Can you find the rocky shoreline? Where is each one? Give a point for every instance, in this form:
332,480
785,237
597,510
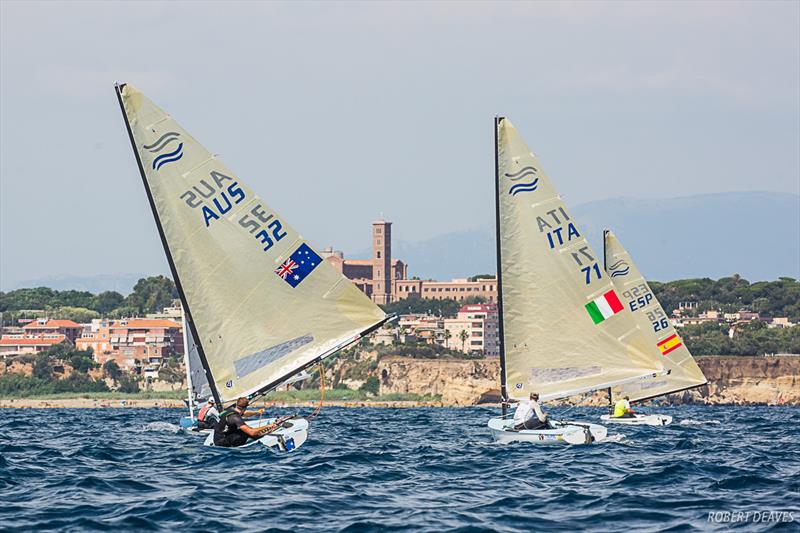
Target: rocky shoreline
733,380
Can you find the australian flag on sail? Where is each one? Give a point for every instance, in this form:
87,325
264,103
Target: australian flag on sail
299,265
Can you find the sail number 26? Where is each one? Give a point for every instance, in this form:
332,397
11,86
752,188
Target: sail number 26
640,297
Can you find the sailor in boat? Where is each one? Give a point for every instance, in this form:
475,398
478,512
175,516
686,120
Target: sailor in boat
231,430
529,414
623,409
208,415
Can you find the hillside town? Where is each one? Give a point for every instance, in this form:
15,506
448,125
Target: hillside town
142,344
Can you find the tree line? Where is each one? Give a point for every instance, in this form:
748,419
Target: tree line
45,379
780,298
149,295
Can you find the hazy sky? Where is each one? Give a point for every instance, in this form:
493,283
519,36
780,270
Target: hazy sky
337,112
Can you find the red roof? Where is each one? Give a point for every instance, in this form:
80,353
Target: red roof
32,341
52,324
144,323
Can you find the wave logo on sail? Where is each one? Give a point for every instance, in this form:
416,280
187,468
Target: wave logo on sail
527,186
163,143
620,268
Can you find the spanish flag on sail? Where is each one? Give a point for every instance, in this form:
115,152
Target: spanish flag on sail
673,342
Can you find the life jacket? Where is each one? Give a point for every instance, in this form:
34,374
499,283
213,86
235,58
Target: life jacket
621,407
201,416
222,425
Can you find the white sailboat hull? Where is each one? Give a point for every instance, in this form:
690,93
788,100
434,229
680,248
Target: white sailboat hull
189,425
638,420
563,433
290,436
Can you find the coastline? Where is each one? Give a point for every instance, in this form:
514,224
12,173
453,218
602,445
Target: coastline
408,382
142,403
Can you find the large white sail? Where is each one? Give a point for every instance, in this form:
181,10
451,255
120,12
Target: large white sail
261,302
563,328
667,346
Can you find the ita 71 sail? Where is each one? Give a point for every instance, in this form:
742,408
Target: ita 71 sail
563,328
261,304
668,348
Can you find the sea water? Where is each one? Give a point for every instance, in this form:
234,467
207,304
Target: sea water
423,469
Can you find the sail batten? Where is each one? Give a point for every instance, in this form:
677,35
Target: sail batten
599,386
260,302
562,321
652,320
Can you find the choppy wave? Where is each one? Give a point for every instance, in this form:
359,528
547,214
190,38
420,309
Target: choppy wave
375,469
690,422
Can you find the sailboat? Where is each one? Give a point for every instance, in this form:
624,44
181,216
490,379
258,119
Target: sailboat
196,384
198,389
562,328
667,347
261,305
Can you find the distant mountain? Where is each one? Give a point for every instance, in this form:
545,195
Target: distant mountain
754,234
122,283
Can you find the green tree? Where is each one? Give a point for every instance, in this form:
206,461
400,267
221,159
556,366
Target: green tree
81,360
463,335
112,370
171,373
76,314
128,384
372,385
107,301
152,294
43,366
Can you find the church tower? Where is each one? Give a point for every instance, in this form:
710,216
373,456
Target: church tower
382,262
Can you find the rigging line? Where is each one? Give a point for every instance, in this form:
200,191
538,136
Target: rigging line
576,404
316,411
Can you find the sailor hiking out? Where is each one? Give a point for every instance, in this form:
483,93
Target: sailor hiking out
529,415
231,430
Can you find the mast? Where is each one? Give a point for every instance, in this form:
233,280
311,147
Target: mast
173,269
605,232
186,348
501,339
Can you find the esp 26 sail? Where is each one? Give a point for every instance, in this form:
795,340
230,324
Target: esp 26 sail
667,346
563,328
260,302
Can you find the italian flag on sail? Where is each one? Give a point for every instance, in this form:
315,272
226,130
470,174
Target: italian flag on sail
603,307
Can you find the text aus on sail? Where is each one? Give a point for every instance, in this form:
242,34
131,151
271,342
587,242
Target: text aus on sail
216,196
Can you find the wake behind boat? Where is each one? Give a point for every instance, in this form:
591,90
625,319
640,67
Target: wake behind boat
260,304
638,420
562,328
